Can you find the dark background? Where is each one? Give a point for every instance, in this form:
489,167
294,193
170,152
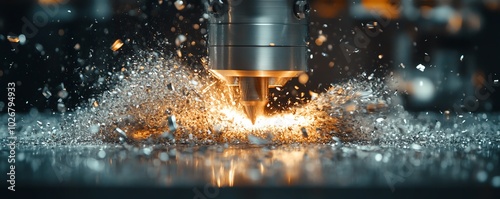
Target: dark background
71,51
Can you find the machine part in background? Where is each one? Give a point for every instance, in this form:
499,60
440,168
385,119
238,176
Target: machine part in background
257,45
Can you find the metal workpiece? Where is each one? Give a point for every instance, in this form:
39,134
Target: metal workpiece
256,45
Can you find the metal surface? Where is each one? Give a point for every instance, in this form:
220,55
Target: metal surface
319,170
264,58
255,96
256,45
261,34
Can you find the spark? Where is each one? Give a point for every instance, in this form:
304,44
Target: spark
117,45
275,122
204,109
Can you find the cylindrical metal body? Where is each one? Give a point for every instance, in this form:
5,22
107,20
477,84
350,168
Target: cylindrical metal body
257,44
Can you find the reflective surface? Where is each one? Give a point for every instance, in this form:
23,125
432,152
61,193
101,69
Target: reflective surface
227,166
423,153
390,162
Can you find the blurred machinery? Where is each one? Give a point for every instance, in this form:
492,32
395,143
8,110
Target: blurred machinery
438,51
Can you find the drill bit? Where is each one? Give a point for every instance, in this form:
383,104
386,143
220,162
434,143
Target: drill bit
253,93
257,45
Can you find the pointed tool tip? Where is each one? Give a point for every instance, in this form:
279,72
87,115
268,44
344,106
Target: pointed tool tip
253,119
252,112
252,115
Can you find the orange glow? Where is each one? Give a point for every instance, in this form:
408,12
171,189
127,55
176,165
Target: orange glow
382,7
454,23
279,121
48,2
328,8
229,122
237,172
141,134
210,115
425,10
320,40
117,45
492,5
478,79
13,39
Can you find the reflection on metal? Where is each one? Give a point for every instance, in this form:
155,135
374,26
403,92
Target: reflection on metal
239,169
286,165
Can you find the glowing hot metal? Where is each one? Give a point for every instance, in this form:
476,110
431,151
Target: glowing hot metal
257,45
